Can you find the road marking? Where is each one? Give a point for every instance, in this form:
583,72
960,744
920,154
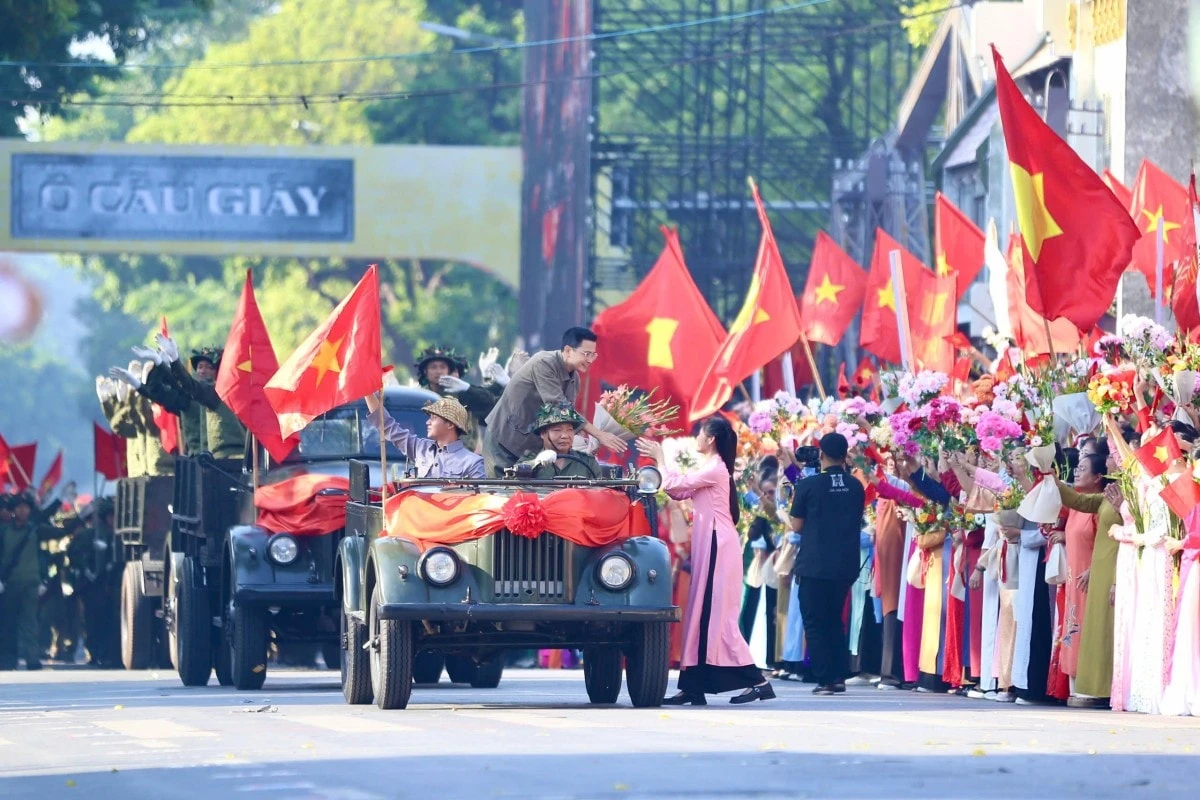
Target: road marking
154,729
536,720
355,724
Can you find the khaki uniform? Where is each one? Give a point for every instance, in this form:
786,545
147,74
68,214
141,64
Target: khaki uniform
543,380
226,437
575,464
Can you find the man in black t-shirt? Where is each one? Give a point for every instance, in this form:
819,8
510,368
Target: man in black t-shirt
827,510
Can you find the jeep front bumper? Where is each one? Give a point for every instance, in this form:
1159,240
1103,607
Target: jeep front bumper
512,612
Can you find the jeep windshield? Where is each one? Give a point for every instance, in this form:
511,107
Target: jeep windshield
346,432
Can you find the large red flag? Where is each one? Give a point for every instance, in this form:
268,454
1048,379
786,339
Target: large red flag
108,451
1028,326
52,477
833,293
339,362
247,363
767,326
166,422
880,334
1120,191
957,244
21,458
1157,196
1076,236
933,316
662,336
1184,299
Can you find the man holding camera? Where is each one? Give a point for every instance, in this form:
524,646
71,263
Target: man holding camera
827,510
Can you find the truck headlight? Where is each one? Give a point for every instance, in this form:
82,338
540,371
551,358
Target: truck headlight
282,549
439,566
615,571
649,480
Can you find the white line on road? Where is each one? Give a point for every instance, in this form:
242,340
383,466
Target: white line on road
154,729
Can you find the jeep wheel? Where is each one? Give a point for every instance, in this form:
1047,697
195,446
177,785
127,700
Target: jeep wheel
391,658
602,674
427,669
488,674
137,619
247,647
460,669
222,657
193,624
331,653
354,662
648,664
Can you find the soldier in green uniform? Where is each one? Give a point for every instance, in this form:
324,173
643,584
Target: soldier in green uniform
557,424
97,580
440,369
226,436
58,606
20,586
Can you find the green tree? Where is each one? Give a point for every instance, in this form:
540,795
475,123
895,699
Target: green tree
924,16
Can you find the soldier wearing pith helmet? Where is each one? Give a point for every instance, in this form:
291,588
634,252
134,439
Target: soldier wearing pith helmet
557,424
441,370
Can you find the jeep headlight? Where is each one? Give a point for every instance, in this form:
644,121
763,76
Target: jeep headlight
439,566
615,571
282,549
649,480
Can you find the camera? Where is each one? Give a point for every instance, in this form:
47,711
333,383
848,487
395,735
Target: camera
809,456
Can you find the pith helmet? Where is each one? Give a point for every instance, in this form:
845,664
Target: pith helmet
555,413
452,411
439,353
212,354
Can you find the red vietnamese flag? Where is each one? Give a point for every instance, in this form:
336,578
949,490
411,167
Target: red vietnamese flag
4,453
957,244
1182,495
864,374
108,451
932,317
52,477
166,422
1028,326
772,378
1120,191
767,326
339,362
833,293
880,334
662,336
1156,195
247,363
843,384
1159,453
21,458
1184,300
1076,236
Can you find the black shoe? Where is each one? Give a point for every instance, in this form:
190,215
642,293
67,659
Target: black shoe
685,699
33,666
839,688
825,691
764,691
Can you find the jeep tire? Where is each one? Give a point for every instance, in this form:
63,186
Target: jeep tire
427,669
247,645
137,619
602,674
488,674
460,669
391,658
193,624
355,662
648,663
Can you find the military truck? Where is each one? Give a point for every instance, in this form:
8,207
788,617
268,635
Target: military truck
234,588
406,604
143,525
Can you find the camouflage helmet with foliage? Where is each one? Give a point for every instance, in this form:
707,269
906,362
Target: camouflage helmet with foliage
439,353
212,354
555,414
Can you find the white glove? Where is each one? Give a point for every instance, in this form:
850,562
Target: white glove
487,359
516,361
68,590
148,353
545,457
103,390
452,384
585,443
100,545
168,348
1,587
498,374
127,379
41,589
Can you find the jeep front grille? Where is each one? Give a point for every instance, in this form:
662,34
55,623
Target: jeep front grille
529,570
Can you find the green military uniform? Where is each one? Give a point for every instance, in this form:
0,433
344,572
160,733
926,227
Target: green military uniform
226,436
126,422
478,400
95,575
21,575
59,607
573,464
161,387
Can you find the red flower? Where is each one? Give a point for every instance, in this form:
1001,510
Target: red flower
523,515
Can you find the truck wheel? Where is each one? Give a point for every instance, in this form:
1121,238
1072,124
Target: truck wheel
488,674
193,638
460,669
247,645
648,664
222,656
391,659
602,674
427,668
137,619
355,662
331,652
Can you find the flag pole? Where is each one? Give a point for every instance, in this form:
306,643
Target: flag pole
383,465
253,461
899,297
1158,271
812,364
13,462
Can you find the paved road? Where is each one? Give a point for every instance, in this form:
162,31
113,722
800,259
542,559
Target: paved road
99,735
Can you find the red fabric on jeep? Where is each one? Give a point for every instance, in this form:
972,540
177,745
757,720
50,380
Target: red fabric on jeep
295,505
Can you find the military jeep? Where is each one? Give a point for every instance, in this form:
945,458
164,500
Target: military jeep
143,524
408,605
233,588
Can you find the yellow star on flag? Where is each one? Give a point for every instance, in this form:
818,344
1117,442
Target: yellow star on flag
662,331
247,365
887,297
1034,218
1152,223
943,266
327,359
828,291
1161,454
750,314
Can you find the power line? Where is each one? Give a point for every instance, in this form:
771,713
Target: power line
591,37
328,98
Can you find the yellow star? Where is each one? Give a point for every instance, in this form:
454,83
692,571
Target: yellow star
1034,218
828,291
750,314
1152,223
887,298
933,309
943,266
327,359
1161,454
661,331
247,365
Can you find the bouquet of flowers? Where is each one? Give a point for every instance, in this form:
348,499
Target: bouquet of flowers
681,451
998,435
1179,374
629,413
1112,392
783,417
1110,348
1146,341
917,390
1007,503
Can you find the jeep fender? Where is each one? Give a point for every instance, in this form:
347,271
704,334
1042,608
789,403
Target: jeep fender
248,556
349,571
647,554
390,553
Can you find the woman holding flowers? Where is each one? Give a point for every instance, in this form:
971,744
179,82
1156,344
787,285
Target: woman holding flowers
716,657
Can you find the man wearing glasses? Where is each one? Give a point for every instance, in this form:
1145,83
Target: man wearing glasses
549,377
